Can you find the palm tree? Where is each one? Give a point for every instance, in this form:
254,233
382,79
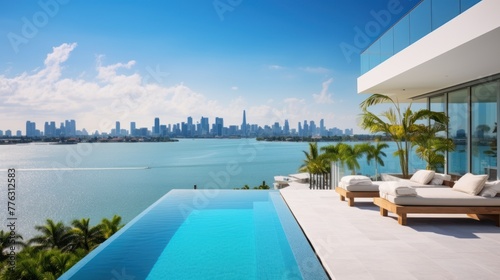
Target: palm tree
315,163
430,146
7,241
374,152
84,236
53,235
400,124
350,155
110,227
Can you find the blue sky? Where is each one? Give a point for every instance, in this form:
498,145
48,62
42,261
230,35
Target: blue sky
104,61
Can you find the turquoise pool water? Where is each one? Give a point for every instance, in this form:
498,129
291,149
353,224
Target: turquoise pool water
206,234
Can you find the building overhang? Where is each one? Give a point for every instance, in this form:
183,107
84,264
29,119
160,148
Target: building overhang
464,49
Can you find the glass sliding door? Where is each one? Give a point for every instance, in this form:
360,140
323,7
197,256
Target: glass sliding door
437,104
458,111
484,129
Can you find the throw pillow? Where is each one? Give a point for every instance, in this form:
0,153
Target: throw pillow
422,176
470,183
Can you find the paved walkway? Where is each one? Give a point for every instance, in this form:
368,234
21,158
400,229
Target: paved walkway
357,243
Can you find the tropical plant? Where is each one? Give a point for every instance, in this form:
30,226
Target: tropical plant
401,125
431,147
53,236
41,264
314,162
110,227
375,153
85,236
7,241
350,154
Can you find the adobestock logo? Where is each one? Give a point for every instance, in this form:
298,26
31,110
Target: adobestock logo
223,6
31,26
372,29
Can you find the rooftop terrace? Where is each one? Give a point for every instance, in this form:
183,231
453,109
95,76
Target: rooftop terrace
357,243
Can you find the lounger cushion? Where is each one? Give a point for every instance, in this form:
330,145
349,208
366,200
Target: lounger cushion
397,188
422,176
373,187
439,178
356,180
442,197
490,189
470,183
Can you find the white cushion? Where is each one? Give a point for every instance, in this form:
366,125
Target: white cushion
470,183
356,180
422,176
490,189
439,178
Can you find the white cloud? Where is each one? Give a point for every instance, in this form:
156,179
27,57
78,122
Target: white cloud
117,92
96,103
324,97
316,70
234,88
276,67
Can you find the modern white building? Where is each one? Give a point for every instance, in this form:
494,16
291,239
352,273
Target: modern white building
447,54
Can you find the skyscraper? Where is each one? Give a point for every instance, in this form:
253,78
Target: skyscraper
286,128
132,128
156,130
219,124
30,128
117,128
244,125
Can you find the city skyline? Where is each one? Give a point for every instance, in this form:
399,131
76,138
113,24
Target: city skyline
178,58
184,129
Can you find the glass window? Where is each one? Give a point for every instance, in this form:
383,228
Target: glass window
374,54
443,11
458,112
387,45
402,34
484,133
420,21
466,4
437,104
365,62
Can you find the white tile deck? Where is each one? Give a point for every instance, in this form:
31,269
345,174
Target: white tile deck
357,243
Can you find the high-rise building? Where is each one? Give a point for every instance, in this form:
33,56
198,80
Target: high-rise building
132,129
117,128
286,128
305,129
30,129
219,125
8,133
205,127
156,130
244,125
322,127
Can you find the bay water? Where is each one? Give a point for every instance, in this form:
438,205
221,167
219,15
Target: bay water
99,180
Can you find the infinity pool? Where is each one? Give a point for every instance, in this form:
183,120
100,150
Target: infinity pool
206,234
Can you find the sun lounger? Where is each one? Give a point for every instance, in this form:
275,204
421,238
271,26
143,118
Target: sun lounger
444,201
357,186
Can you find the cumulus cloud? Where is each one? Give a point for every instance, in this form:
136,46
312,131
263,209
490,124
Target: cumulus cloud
114,95
316,70
324,97
117,92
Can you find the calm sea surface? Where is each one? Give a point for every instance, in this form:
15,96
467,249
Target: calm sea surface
66,182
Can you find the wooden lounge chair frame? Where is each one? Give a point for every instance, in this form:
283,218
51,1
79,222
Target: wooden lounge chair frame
475,212
351,195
